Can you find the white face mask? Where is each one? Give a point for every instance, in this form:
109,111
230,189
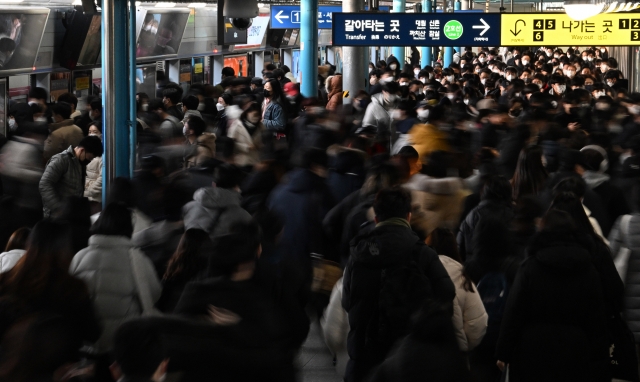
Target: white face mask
610,83
370,70
185,132
525,62
219,106
451,96
43,119
570,73
483,81
466,101
450,78
549,54
145,107
423,80
404,83
430,76
604,68
556,56
562,89
482,60
423,114
386,80
538,85
393,66
590,58
599,94
509,77
416,71
254,119
602,50
395,114
12,124
491,67
634,109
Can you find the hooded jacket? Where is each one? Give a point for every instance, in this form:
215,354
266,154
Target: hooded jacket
335,93
214,210
378,113
63,177
105,266
62,135
302,203
498,210
384,247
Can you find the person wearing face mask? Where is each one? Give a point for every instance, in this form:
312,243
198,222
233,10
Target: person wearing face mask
375,86
404,117
246,133
631,126
93,179
199,146
64,172
222,119
570,71
558,86
612,79
274,116
393,64
378,112
64,132
190,108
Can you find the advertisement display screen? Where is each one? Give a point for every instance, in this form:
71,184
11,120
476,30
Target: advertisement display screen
20,36
161,33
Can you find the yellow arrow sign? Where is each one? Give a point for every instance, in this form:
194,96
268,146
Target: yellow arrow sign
557,29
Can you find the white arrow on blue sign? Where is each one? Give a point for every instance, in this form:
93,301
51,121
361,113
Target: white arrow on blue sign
288,16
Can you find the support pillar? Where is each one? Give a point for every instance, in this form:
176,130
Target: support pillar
133,106
354,59
308,47
425,55
447,57
399,51
114,85
456,7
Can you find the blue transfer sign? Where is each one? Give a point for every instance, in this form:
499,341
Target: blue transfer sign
419,29
288,16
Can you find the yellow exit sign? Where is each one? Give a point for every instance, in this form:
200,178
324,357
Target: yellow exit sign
558,29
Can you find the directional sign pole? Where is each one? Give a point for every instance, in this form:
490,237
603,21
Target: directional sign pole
309,47
399,51
425,58
458,6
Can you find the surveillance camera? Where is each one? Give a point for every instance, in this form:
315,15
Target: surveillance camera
242,23
241,9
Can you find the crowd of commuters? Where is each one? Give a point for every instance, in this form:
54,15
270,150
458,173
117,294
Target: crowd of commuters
470,223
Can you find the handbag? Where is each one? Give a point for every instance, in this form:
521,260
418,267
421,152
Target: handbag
144,292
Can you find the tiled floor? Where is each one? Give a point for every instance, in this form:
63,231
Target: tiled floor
315,359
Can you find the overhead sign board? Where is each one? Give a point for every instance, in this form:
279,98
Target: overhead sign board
558,29
289,17
419,29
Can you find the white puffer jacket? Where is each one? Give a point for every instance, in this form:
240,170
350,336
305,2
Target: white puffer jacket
9,259
469,316
105,266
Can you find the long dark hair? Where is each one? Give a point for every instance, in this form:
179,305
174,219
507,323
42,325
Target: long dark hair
444,243
530,175
571,204
277,95
185,262
18,239
48,251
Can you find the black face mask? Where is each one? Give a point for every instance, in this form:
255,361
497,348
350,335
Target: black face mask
267,93
85,162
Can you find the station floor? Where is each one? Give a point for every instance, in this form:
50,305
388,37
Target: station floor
315,360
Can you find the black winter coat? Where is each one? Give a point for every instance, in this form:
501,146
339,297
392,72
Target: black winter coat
384,247
554,325
499,210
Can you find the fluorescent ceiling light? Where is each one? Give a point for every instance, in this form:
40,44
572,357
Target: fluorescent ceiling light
10,1
165,5
582,11
197,5
77,2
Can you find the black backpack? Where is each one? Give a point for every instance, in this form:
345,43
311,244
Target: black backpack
404,289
